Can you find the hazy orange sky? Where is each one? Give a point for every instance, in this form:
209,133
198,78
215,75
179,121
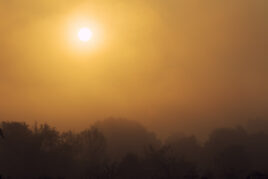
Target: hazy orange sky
170,64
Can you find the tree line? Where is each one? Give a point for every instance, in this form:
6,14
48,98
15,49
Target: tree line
124,149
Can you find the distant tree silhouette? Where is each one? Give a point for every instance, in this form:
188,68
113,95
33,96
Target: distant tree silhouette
131,167
123,149
125,136
187,148
91,152
2,133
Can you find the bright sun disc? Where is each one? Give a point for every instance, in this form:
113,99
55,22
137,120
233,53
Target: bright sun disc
84,34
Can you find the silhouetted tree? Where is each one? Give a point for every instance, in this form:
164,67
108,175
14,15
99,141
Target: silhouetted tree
125,136
116,148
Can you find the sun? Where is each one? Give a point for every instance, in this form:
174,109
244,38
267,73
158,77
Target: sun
84,34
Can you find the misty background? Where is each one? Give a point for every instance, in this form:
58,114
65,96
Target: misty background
173,65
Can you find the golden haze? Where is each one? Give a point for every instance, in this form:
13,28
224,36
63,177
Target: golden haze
169,64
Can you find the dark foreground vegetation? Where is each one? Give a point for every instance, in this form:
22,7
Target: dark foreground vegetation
124,149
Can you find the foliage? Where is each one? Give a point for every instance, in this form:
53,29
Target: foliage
43,151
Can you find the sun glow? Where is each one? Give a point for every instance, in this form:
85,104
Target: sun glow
85,34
